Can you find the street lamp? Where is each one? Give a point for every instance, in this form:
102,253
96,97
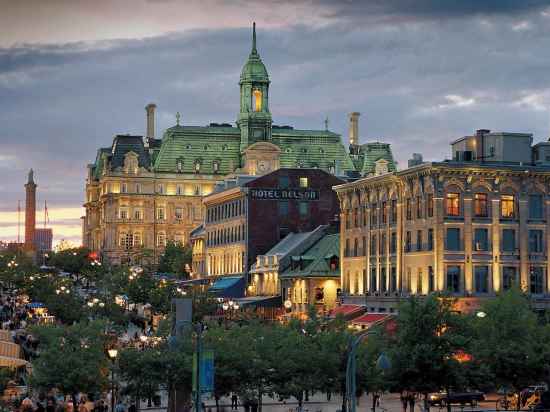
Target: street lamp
481,314
113,353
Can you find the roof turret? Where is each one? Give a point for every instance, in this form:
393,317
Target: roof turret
254,69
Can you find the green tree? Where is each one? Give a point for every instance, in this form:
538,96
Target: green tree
510,345
423,350
72,358
176,259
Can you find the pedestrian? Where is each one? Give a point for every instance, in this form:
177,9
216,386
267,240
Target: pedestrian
404,400
412,399
120,407
39,407
50,405
234,402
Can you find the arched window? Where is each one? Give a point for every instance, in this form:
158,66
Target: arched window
257,100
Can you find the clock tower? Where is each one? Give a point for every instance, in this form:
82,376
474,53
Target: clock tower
254,117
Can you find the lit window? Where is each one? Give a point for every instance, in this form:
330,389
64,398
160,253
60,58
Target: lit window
303,182
197,166
179,238
453,204
160,213
161,239
179,213
257,100
123,213
480,205
138,214
507,206
137,239
179,165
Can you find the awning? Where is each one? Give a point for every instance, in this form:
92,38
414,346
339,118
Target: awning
35,305
368,319
348,311
260,302
191,282
228,287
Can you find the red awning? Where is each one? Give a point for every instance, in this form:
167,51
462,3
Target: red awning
369,318
348,311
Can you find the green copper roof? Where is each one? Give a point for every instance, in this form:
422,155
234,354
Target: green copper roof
318,259
369,154
254,69
205,145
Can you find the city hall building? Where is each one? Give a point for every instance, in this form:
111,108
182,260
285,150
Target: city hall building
471,226
141,193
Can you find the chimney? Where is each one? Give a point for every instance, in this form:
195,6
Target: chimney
150,109
354,128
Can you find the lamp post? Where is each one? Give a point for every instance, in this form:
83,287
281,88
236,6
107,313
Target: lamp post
113,353
383,363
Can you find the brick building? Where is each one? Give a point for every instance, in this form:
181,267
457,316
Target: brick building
247,220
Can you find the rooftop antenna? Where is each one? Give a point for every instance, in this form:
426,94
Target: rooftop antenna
326,124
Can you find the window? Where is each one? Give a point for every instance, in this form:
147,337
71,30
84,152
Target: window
419,240
383,279
431,279
429,205
408,209
138,214
283,208
216,166
161,239
430,244
160,213
197,166
453,239
126,240
179,213
124,188
535,241
123,213
138,188
257,100
355,247
303,182
373,212
418,207
304,209
393,279
508,240
179,190
419,282
197,190
393,243
507,206
347,250
383,244
535,207
283,182
481,240
408,242
481,279
384,212
536,279
372,280
453,279
364,248
137,240
452,205
480,205
509,277
179,165
160,189
394,211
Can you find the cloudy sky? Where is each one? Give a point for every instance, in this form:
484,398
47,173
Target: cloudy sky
422,72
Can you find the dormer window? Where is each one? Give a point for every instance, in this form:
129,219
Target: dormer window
216,166
179,165
257,100
197,166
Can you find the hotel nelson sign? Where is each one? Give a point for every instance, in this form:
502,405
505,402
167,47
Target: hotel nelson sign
284,194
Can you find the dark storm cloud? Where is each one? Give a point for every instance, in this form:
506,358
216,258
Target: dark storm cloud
418,86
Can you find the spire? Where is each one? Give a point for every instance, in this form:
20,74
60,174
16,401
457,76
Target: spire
254,51
30,179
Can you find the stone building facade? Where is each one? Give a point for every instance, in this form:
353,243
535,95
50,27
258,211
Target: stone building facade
470,228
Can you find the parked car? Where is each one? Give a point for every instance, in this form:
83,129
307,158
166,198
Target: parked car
456,398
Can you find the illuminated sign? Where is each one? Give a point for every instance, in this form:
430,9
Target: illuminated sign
284,194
